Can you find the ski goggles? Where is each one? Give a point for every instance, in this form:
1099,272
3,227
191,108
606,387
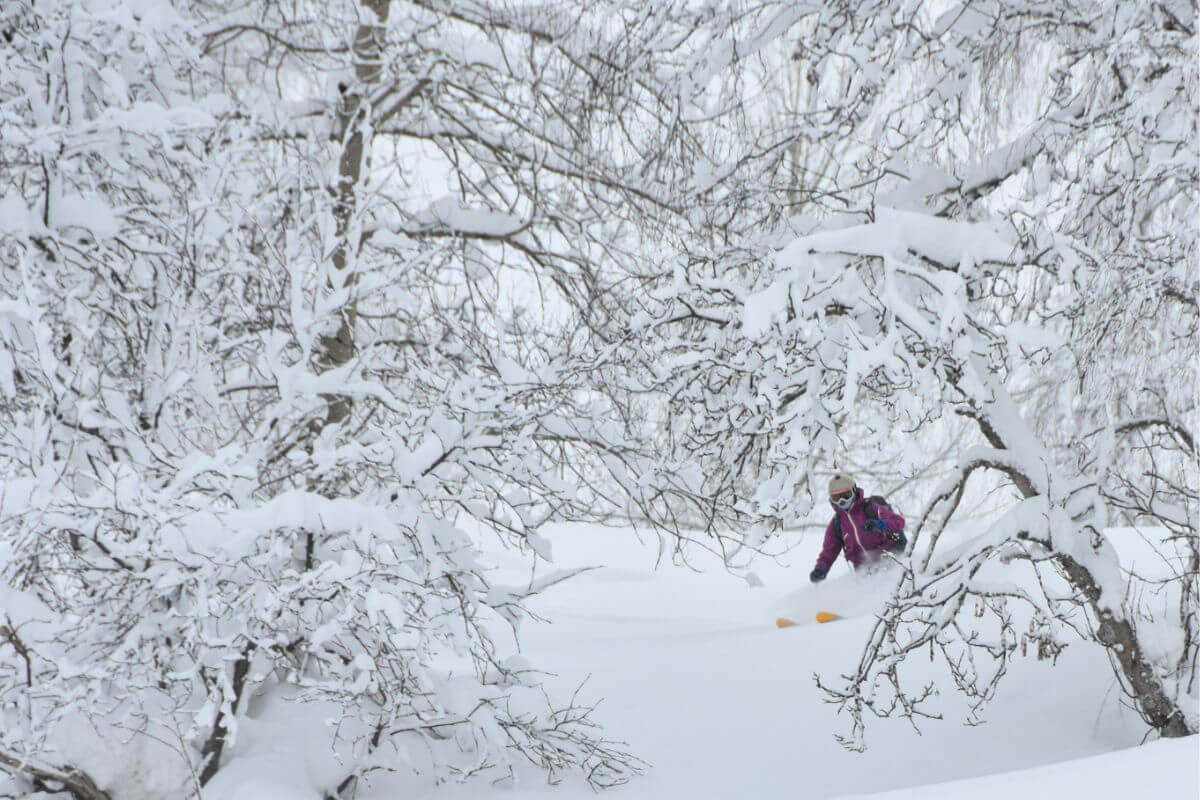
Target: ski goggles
843,499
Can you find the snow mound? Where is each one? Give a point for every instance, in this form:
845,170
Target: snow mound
1164,770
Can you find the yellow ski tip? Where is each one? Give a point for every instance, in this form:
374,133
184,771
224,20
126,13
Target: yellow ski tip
784,622
826,616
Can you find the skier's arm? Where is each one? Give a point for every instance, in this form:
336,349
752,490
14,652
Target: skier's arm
886,529
894,521
830,550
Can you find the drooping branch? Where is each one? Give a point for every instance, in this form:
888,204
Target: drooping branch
1171,426
78,783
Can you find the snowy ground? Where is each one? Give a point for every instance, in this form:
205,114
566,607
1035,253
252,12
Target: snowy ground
699,682
694,676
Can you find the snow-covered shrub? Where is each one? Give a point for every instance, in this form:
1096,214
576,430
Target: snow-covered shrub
297,301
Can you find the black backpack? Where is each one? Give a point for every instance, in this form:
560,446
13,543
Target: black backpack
872,502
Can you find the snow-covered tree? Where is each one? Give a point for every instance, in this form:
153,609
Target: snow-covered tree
299,300
296,301
1002,252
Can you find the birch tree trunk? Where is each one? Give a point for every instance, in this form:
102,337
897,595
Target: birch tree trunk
355,130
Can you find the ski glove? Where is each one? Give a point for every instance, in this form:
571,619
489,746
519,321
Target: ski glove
817,575
877,525
898,540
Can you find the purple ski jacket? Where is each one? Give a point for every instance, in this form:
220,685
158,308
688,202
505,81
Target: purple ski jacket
860,543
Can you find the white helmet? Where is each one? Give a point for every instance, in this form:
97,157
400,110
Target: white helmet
839,483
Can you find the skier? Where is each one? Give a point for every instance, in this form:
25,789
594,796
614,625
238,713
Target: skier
862,526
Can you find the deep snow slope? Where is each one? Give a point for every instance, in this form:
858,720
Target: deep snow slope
697,680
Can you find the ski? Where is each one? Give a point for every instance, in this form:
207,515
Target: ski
822,617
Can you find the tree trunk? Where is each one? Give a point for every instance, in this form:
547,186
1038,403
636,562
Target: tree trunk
1118,635
1114,632
338,349
211,752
